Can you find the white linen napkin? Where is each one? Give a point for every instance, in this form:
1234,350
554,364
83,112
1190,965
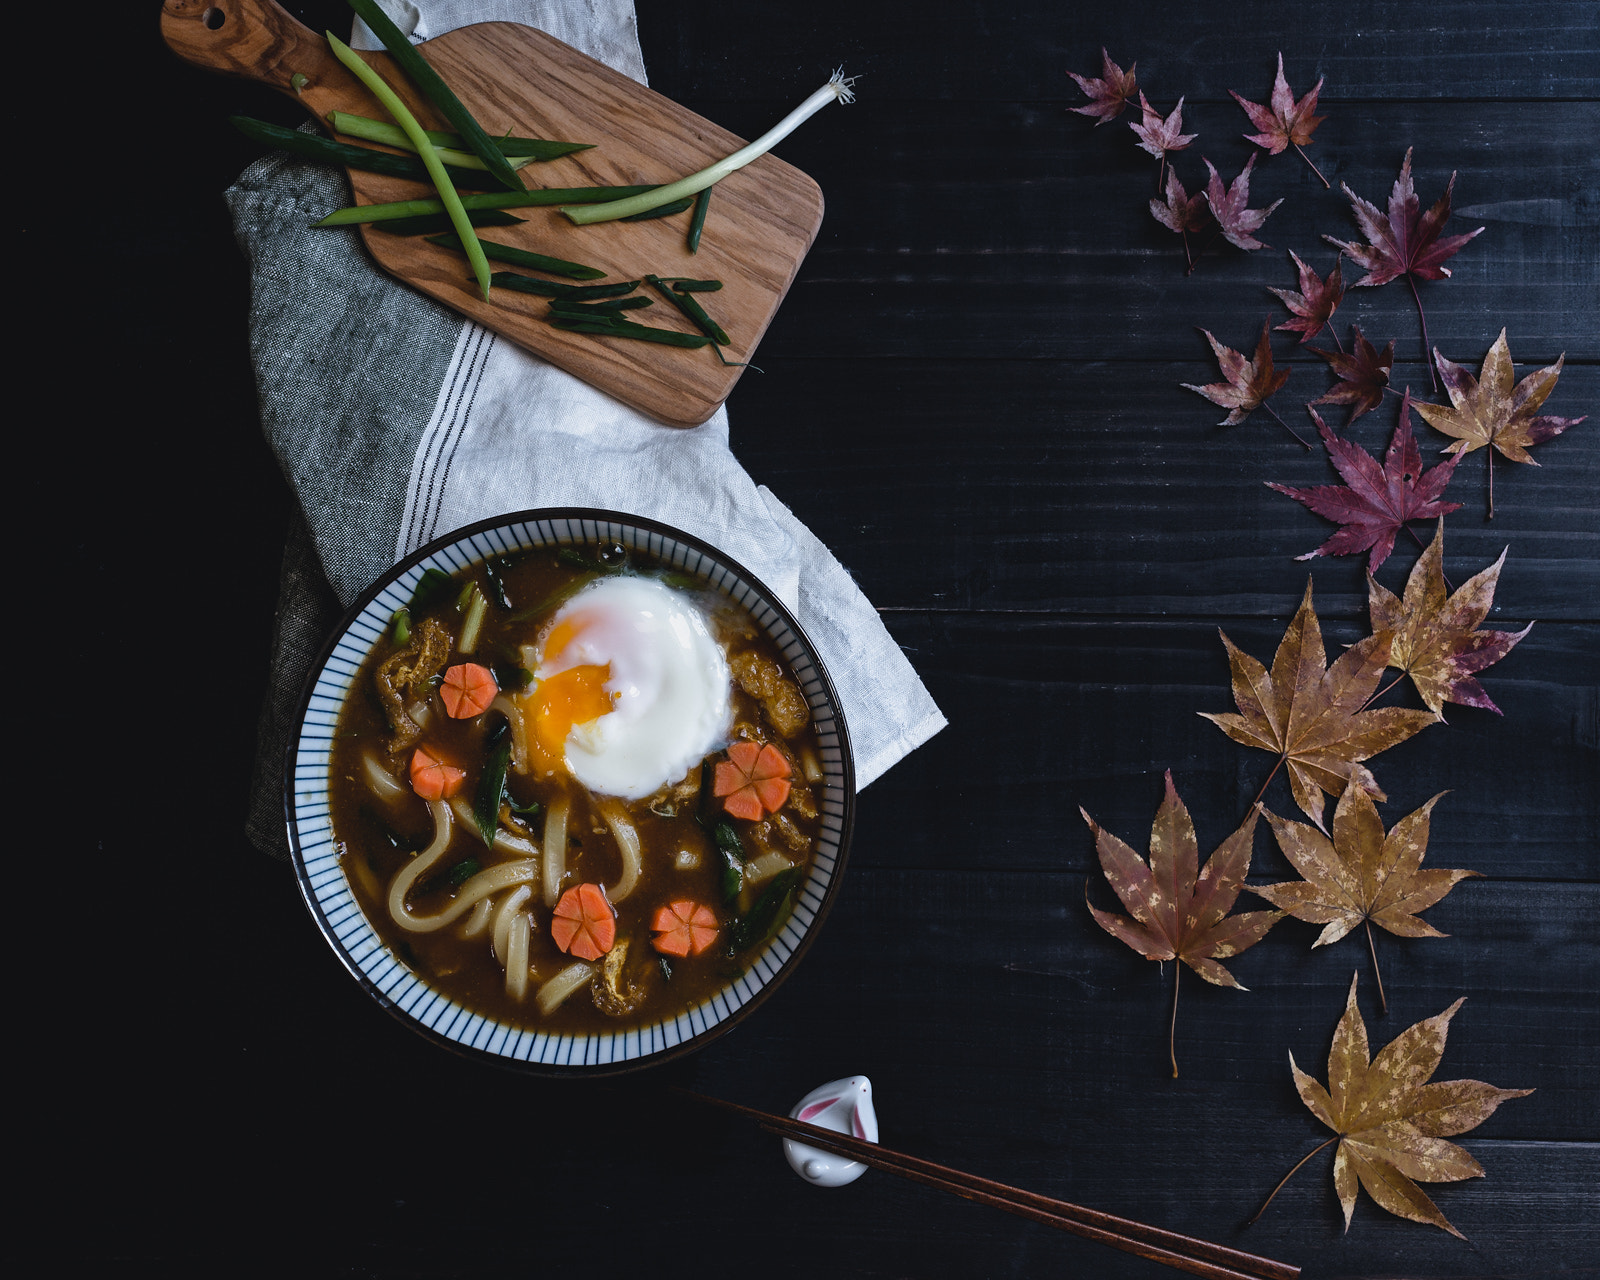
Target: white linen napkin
397,421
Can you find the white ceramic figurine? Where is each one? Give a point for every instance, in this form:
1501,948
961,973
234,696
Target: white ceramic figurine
844,1106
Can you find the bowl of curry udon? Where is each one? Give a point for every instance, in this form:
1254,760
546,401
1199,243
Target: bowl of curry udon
571,791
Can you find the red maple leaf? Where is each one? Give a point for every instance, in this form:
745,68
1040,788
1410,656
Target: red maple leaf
1284,123
1406,242
1180,212
1316,302
1158,136
1374,502
1363,374
1108,96
1230,207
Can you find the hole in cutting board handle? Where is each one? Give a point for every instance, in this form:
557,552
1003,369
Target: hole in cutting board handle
214,19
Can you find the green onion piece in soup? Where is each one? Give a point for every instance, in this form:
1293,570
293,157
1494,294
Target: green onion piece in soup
435,585
771,909
492,785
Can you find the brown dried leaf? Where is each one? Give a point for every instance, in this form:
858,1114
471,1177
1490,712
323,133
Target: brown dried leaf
1284,122
1362,874
1177,911
1489,410
1311,715
1180,212
1158,136
1363,373
1374,502
1109,95
1248,382
1436,641
1230,207
1316,302
1391,1122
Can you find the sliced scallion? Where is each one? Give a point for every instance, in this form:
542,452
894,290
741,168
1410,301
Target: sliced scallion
549,289
522,257
518,151
837,89
686,304
451,201
431,223
626,329
770,911
311,146
477,606
433,586
681,285
697,224
437,92
577,310
492,783
355,213
665,211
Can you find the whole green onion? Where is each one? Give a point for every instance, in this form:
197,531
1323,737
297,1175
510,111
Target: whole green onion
838,88
425,152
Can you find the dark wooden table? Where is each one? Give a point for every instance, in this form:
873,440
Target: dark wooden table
972,396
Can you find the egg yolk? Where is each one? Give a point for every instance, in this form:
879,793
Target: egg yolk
574,696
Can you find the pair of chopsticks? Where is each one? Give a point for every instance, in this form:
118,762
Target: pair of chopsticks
1185,1253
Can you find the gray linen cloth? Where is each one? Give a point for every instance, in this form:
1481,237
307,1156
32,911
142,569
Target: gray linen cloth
396,421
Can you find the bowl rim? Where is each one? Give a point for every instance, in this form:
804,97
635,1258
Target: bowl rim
699,1038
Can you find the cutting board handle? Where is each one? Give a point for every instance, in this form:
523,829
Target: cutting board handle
255,39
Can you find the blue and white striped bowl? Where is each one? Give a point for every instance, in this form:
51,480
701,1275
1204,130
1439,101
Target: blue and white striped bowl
384,975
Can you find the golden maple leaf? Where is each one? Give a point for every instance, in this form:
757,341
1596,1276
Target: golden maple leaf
1363,875
1390,1121
1313,716
1436,641
1180,912
1488,409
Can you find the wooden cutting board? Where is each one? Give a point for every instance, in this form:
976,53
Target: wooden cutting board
516,80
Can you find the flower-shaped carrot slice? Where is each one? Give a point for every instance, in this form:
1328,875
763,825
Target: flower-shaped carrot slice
468,689
585,924
432,778
754,780
683,928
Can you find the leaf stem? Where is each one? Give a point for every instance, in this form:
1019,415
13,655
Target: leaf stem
1427,346
1383,1002
1286,1178
1186,253
1488,466
1443,576
1195,261
1314,168
1382,691
1267,783
1172,1030
1304,443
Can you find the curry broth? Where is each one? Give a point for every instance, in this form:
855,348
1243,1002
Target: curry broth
680,859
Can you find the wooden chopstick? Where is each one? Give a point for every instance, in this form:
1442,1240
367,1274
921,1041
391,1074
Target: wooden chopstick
1184,1253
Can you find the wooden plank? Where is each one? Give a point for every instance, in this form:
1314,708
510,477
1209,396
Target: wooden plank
1040,244
518,80
1094,488
1048,714
1367,49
